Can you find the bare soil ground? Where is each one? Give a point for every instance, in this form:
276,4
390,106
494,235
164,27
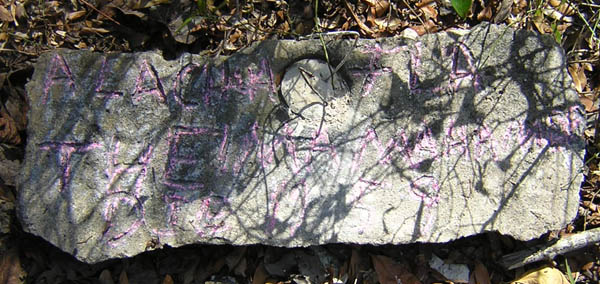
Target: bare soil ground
30,27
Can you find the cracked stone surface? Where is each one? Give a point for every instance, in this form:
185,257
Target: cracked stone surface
409,141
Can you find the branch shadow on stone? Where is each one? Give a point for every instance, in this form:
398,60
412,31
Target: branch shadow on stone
431,141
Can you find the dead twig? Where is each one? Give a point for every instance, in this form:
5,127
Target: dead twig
548,252
19,51
100,12
358,21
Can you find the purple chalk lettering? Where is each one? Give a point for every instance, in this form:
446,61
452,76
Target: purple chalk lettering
459,55
65,152
268,150
366,186
214,86
298,191
179,81
370,138
211,223
399,143
301,165
260,78
113,235
456,141
210,91
118,196
370,79
58,70
148,82
265,67
374,71
320,144
173,202
249,144
177,157
427,189
233,82
222,158
484,142
425,148
415,63
115,171
457,74
377,51
100,92
210,84
556,131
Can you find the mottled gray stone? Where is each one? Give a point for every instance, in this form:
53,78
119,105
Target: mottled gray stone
416,141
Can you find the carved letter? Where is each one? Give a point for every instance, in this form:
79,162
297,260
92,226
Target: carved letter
100,92
58,70
65,152
148,82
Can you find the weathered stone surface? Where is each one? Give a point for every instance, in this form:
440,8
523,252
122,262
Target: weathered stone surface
424,141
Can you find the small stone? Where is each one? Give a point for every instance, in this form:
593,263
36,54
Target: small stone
410,33
308,85
456,273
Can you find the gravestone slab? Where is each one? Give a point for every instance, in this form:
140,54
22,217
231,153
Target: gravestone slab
408,141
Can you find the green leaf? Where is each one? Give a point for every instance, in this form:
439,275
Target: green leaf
556,32
462,7
569,275
202,7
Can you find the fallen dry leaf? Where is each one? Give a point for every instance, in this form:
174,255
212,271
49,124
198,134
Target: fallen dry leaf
542,275
168,280
5,15
542,27
391,272
429,27
361,25
388,24
10,267
562,6
94,30
358,263
105,277
379,7
205,271
123,279
20,11
260,274
429,11
235,36
589,104
6,194
156,2
75,15
8,129
481,274
9,169
578,75
503,11
485,14
240,268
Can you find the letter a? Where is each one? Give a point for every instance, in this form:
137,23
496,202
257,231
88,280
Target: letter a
59,70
